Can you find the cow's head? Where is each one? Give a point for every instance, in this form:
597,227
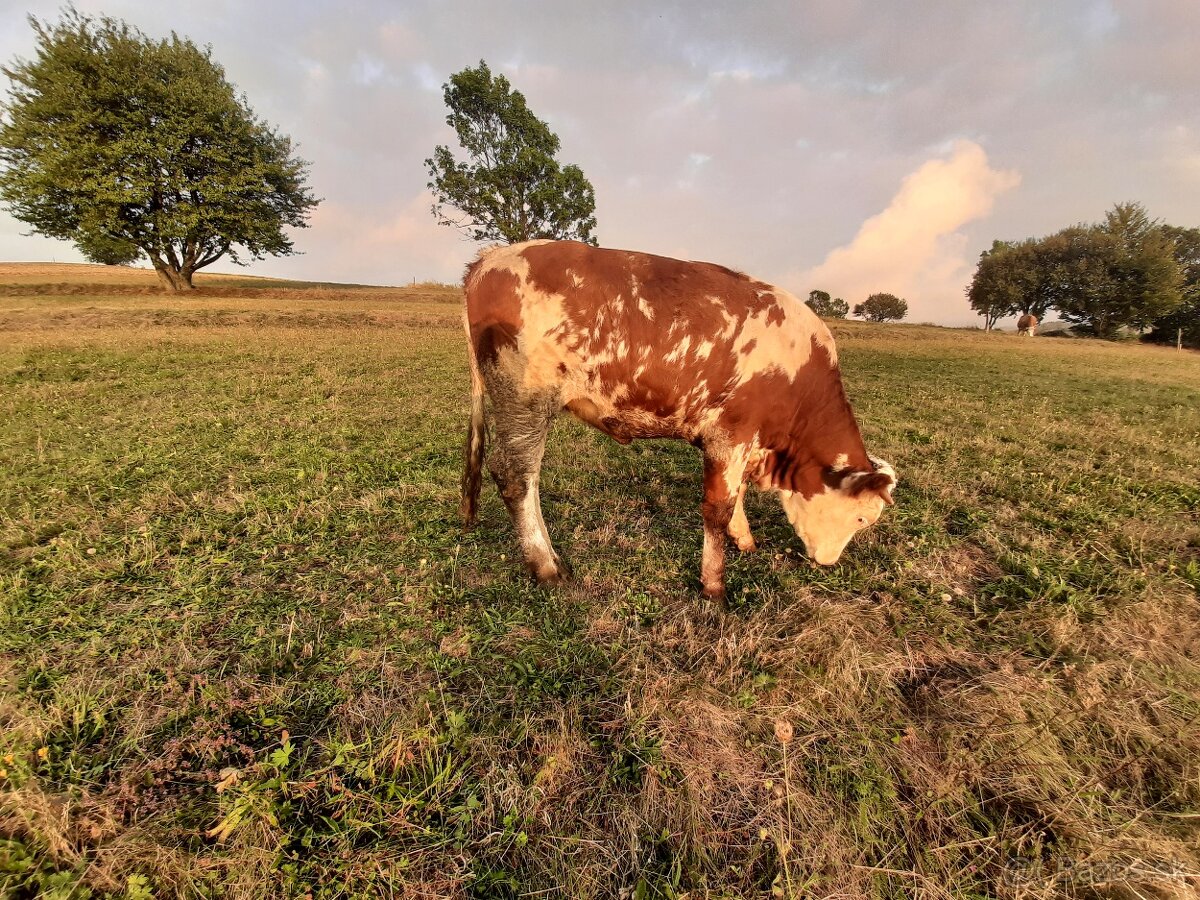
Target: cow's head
849,502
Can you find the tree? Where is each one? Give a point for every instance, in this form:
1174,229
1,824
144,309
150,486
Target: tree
129,146
994,292
1121,273
822,305
1185,243
1011,278
881,307
513,188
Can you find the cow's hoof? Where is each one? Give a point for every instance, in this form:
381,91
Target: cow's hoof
746,544
716,593
550,576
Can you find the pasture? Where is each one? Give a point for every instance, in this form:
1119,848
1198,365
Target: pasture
247,651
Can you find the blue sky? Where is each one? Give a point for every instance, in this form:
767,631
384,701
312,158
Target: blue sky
849,146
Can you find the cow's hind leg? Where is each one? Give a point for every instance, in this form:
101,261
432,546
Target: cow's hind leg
722,478
739,525
515,462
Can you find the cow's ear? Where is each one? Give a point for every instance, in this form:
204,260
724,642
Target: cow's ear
879,482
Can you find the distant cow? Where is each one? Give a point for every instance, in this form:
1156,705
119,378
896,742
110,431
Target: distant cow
1027,325
643,346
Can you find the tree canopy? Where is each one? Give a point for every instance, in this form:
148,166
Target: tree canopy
881,308
512,189
1122,272
830,308
130,146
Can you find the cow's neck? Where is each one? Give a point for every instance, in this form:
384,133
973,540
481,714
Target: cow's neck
825,438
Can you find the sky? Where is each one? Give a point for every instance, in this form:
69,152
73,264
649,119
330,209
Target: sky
846,146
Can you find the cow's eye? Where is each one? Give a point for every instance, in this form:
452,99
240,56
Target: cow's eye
861,521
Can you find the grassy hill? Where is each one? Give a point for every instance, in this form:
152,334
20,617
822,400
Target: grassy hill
47,276
247,650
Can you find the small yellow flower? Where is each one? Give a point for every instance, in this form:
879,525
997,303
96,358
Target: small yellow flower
43,753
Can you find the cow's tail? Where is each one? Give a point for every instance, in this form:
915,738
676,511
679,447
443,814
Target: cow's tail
472,478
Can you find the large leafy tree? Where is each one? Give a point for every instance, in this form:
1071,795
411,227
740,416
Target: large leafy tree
512,188
130,146
881,308
1120,273
827,307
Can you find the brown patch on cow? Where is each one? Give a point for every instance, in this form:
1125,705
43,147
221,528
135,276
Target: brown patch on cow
493,310
749,346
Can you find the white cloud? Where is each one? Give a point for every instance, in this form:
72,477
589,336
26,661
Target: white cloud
915,248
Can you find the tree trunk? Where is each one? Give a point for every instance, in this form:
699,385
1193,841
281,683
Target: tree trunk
175,282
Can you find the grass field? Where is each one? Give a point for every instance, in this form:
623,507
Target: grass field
248,652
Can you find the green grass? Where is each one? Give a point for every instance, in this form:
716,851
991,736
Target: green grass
247,650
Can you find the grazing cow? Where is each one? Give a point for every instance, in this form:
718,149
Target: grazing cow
1027,325
643,346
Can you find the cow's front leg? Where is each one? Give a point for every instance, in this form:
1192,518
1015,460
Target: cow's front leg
739,525
721,480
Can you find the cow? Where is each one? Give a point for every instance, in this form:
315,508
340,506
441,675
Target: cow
643,346
1027,325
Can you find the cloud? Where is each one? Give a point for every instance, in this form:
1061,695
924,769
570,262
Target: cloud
393,247
915,248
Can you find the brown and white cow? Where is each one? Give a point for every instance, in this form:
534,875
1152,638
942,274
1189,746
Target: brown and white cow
1027,325
643,346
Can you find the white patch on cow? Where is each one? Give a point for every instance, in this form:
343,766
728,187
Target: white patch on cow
882,465
731,324
645,308
840,463
575,279
760,346
540,353
531,531
680,350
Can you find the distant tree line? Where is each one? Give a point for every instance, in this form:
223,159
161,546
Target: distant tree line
876,308
1128,271
826,307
